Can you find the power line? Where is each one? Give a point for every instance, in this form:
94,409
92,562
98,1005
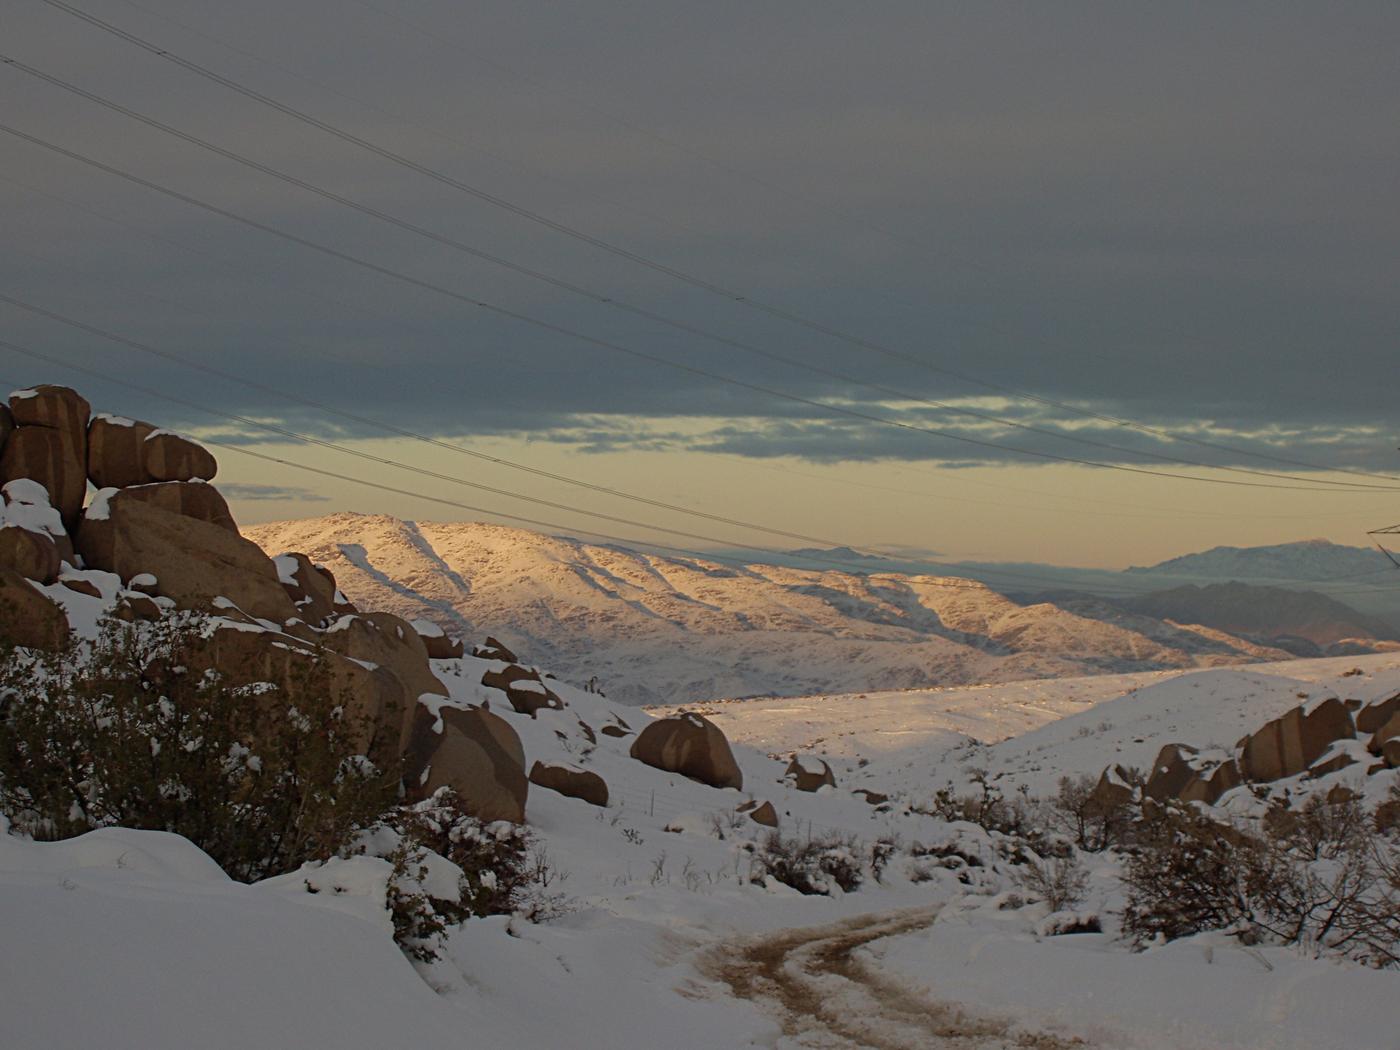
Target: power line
570,333
618,304
641,260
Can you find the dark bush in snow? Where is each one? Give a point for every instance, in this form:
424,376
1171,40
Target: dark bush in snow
814,866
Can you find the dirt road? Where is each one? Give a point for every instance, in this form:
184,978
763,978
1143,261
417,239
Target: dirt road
823,995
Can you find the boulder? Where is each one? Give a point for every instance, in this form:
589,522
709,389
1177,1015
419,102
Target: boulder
871,798
116,452
56,460
1292,742
477,754
27,616
133,605
78,586
765,815
389,642
1113,791
1377,713
54,407
1208,786
804,774
493,650
310,587
690,745
193,499
33,555
1171,771
615,731
169,457
524,689
439,644
571,781
1386,741
194,562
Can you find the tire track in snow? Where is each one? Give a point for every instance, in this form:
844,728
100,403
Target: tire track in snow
825,996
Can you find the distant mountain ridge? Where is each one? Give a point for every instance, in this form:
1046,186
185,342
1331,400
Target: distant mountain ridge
657,629
1319,560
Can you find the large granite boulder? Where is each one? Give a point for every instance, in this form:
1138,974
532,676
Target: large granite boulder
33,555
477,754
1386,741
55,460
116,451
1291,743
525,689
760,812
1171,771
194,562
311,587
1209,784
571,781
690,745
1113,791
439,644
169,457
809,774
1377,713
193,499
54,407
29,617
388,642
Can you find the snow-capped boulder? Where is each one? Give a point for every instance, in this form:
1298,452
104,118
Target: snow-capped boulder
493,650
193,499
809,774
54,407
27,616
439,644
525,689
475,753
1114,789
760,813
1377,713
116,451
311,587
388,642
572,781
1211,782
690,745
194,562
33,555
1290,744
1171,771
169,457
55,460
1386,741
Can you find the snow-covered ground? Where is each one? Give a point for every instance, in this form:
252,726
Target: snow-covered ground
126,939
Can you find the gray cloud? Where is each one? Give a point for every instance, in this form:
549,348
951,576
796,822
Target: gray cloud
240,491
1179,216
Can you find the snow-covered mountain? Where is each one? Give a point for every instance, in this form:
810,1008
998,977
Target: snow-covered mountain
1319,560
670,630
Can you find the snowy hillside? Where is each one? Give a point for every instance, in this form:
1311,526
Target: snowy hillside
1303,560
670,630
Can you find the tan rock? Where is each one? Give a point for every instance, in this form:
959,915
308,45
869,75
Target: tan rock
55,407
133,605
493,650
33,555
1292,742
116,452
27,616
440,645
169,457
871,798
193,499
571,781
615,731
56,460
1208,786
805,779
1171,772
194,562
389,642
524,689
477,754
765,815
311,587
82,587
690,745
1383,737
1377,713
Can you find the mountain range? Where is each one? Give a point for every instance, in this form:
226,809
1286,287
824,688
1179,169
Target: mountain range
656,629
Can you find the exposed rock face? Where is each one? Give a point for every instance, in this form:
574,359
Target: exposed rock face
33,555
493,650
387,641
133,605
53,458
1171,771
690,745
571,781
1386,741
477,754
194,562
1113,789
28,617
193,499
1376,714
49,445
765,815
806,778
116,450
310,587
1291,743
524,689
1207,787
169,457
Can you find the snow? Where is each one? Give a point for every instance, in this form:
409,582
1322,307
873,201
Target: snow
99,507
428,629
116,421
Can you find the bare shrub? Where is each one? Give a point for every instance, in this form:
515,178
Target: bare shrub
814,866
1062,883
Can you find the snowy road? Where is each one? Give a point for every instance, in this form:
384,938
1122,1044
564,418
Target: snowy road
825,995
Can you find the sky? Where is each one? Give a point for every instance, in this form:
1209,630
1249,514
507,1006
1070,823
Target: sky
1068,283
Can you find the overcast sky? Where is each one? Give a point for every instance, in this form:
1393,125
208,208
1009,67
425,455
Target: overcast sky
1180,215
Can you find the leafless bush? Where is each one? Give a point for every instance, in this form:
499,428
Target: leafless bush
1062,883
814,866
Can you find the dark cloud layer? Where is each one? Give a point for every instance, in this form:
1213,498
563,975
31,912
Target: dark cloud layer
1182,216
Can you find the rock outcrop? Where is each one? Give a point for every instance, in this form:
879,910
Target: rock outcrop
690,745
49,445
439,644
389,643
477,754
311,588
1291,743
525,689
809,774
191,499
571,781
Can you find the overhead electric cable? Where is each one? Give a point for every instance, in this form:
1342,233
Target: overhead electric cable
630,351
618,304
625,253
